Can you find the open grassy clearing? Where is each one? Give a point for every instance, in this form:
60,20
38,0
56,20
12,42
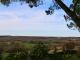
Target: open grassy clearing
27,44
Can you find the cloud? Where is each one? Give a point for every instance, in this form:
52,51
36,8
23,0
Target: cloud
30,19
21,20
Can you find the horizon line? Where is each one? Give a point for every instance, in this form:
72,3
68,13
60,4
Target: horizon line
38,36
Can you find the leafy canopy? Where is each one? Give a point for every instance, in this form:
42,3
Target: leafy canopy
75,7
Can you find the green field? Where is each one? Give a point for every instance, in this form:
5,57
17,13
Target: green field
27,44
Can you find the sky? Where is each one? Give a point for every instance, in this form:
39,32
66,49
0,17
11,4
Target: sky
21,20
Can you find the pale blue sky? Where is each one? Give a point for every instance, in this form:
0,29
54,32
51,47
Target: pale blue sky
23,21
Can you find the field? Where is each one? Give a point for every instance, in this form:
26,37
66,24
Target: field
28,42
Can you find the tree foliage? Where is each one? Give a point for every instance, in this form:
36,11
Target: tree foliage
16,52
17,56
39,52
70,45
1,49
75,7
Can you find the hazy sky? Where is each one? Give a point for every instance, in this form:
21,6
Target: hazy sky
23,21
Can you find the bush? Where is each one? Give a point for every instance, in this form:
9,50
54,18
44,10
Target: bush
17,56
70,46
39,52
78,55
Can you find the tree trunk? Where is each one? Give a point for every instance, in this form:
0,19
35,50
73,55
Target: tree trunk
69,12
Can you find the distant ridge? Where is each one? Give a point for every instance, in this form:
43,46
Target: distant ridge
5,38
39,36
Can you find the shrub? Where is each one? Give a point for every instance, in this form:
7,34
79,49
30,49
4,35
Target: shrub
39,52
